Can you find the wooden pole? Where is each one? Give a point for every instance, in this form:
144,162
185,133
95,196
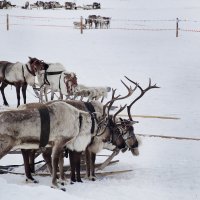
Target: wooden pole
177,21
81,27
7,22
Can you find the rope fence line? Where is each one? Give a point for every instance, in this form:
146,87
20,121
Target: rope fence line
113,19
43,25
115,27
145,29
35,17
189,30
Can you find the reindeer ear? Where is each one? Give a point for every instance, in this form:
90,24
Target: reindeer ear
30,58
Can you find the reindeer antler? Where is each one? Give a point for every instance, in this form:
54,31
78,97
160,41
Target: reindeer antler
130,91
110,103
120,110
143,91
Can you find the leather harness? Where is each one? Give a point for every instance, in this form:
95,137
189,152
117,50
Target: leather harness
45,125
91,110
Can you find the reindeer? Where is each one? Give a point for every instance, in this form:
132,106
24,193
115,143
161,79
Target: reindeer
96,5
26,6
57,79
93,93
21,129
19,75
70,5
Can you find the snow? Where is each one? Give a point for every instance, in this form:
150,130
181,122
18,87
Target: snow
165,169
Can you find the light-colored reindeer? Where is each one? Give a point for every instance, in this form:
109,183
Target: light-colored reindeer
21,129
92,93
56,79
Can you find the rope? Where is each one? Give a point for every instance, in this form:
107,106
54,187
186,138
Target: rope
170,137
150,116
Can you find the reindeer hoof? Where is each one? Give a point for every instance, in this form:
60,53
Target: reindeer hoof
57,187
28,180
63,189
92,178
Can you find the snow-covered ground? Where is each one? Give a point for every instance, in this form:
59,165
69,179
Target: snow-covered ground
165,169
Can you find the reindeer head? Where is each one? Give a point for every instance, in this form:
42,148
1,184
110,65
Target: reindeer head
70,81
37,65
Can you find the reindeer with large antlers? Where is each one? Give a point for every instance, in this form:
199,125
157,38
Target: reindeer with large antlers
126,126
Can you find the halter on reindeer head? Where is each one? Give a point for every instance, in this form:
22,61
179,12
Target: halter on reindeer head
37,65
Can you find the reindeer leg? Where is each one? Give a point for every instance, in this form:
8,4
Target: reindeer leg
72,165
56,151
24,87
78,166
25,154
52,95
61,168
41,95
87,156
3,85
47,157
45,93
31,160
93,158
18,94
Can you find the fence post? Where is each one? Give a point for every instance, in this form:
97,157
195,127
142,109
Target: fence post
177,21
7,22
81,27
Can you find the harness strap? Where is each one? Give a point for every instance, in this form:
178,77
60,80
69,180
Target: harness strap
45,79
23,73
80,121
59,82
93,123
45,126
89,107
91,110
32,73
54,73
